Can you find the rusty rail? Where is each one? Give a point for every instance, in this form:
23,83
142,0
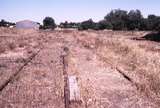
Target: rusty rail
4,85
65,66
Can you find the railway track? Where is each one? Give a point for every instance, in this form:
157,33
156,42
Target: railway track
12,78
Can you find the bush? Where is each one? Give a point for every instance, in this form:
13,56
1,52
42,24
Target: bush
69,25
49,23
4,23
101,25
89,24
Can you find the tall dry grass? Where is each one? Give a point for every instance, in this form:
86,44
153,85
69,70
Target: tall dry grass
140,64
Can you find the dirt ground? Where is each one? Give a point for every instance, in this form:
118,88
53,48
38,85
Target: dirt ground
112,70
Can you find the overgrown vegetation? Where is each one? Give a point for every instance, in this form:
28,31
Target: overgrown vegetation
140,65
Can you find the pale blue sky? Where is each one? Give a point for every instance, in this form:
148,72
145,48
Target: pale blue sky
71,10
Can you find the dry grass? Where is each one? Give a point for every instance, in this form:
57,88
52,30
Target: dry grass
11,46
113,48
141,65
7,46
2,49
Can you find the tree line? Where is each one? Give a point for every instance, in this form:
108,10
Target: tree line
4,23
118,20
115,20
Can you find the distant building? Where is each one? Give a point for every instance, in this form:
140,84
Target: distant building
27,24
11,26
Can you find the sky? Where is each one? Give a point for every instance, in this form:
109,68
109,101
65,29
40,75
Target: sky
71,10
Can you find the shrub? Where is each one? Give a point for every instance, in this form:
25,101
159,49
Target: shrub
89,24
69,25
103,24
4,23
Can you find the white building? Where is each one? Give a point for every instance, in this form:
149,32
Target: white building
27,24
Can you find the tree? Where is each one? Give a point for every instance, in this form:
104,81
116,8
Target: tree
117,18
49,23
135,19
144,24
3,23
157,25
153,22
